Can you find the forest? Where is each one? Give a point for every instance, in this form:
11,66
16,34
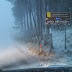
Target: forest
28,42
30,16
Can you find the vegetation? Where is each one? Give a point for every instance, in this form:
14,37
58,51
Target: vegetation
30,16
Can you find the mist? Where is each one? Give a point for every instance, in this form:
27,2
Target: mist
26,41
6,23
10,54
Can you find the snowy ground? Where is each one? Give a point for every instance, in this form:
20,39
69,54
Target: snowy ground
17,56
59,46
20,56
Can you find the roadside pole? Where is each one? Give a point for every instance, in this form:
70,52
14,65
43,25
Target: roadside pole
65,38
40,49
51,41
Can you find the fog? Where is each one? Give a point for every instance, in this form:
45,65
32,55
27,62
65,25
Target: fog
6,31
10,54
6,23
15,55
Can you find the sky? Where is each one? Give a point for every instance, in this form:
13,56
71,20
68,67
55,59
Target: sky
6,23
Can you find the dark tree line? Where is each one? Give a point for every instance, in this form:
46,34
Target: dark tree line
30,15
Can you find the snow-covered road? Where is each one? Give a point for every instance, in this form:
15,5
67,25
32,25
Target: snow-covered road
15,56
20,57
